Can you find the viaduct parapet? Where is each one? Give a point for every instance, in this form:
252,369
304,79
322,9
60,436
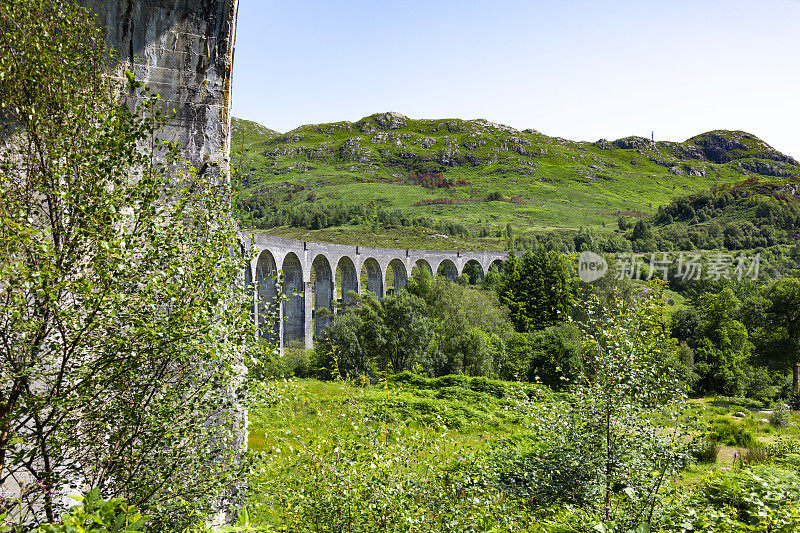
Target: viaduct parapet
316,275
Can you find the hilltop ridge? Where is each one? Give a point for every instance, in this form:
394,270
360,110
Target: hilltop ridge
482,174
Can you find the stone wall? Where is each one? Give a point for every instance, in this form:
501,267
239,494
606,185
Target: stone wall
183,49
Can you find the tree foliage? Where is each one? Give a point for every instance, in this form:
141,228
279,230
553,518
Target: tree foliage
783,314
435,325
387,334
120,329
470,325
556,355
722,351
601,452
536,288
628,378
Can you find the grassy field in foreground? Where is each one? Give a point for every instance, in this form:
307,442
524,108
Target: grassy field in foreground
317,440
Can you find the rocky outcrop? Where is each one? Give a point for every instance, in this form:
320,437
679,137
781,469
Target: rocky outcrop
681,150
603,144
427,142
352,150
726,146
765,168
718,148
382,121
637,143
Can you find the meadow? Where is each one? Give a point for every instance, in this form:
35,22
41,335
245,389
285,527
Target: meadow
410,453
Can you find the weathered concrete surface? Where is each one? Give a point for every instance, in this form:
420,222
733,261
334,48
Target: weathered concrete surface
308,295
183,49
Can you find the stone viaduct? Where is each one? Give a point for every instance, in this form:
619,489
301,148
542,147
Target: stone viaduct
319,276
183,50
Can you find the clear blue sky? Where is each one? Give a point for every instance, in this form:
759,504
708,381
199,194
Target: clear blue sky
575,69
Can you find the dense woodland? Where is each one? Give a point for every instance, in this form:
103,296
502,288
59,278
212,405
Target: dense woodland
261,213
733,337
747,215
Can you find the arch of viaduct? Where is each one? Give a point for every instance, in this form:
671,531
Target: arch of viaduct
311,271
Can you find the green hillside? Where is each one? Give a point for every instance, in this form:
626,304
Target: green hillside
430,182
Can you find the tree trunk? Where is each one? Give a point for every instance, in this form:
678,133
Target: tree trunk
6,422
795,372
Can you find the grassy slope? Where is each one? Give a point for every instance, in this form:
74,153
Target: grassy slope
312,419
558,183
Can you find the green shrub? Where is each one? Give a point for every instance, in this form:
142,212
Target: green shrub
737,401
599,450
97,515
784,445
515,360
753,493
706,451
764,498
296,361
555,355
780,417
489,386
722,429
542,474
731,433
453,380
743,437
785,450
